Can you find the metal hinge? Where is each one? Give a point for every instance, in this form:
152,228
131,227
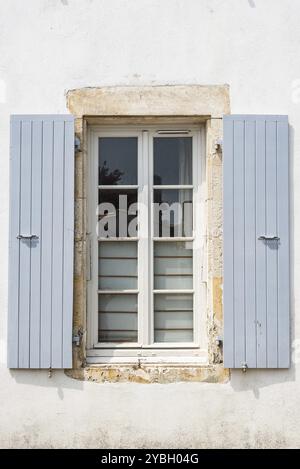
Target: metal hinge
77,144
77,337
76,340
219,144
219,341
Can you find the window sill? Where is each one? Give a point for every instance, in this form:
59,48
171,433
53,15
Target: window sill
164,361
148,355
154,373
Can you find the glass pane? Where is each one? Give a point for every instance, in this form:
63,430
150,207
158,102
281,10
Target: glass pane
174,302
173,282
117,316
117,303
172,160
124,249
179,320
117,213
118,321
173,212
117,336
117,282
173,336
117,160
173,249
173,318
173,265
117,269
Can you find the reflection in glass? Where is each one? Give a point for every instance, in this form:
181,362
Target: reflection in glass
117,213
117,160
172,160
173,212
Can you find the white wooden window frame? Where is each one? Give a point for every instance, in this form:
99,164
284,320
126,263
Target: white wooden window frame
145,349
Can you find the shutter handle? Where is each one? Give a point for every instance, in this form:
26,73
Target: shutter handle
27,237
269,238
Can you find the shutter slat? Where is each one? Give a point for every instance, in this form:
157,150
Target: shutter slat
256,272
41,271
46,244
283,232
250,244
36,219
14,245
25,251
239,242
271,247
57,240
261,287
68,242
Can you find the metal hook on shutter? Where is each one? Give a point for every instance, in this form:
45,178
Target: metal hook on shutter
27,236
269,238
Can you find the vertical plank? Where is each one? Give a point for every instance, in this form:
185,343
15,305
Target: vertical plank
250,244
36,219
57,243
68,241
46,244
271,246
228,243
25,248
14,244
283,252
261,287
239,242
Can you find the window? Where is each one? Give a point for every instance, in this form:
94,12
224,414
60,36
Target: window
147,242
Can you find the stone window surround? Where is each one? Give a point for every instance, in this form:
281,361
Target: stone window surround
151,104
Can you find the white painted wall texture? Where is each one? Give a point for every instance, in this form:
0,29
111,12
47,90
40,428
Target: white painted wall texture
50,46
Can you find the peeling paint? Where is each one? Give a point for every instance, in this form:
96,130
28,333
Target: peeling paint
217,298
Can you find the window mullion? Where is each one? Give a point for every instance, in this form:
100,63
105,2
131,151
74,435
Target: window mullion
143,257
150,242
94,266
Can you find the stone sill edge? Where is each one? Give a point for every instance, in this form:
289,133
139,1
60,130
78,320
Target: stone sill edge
150,374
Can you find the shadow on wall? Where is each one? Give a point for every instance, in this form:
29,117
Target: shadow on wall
260,378
57,380
251,3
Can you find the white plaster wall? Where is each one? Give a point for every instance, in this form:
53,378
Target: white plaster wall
50,46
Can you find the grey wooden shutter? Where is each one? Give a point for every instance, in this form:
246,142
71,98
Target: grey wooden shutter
41,242
256,267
